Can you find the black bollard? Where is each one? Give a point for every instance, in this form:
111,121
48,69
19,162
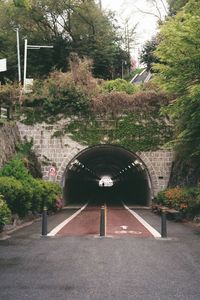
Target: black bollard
44,221
102,221
163,224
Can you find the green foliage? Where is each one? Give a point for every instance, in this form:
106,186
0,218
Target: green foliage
186,200
176,5
179,73
85,29
26,154
135,131
44,194
51,194
119,85
9,94
5,213
15,168
17,195
54,99
24,193
147,55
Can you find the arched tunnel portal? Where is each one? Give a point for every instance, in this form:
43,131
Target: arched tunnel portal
107,173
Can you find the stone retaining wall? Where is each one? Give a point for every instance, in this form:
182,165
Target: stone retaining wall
9,138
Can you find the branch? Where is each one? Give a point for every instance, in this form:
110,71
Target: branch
148,13
164,6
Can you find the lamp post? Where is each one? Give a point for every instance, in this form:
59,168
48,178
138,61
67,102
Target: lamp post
30,47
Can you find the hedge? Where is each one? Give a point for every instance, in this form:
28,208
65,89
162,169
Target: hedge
17,194
23,193
5,213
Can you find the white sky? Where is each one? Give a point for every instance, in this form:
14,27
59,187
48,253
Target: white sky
131,10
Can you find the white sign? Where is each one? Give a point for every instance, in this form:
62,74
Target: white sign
28,84
3,65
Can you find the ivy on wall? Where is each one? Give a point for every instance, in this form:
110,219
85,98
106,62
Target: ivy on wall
134,131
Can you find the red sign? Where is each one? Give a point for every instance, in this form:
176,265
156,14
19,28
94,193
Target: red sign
52,171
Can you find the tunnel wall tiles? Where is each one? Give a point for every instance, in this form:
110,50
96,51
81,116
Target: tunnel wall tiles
59,151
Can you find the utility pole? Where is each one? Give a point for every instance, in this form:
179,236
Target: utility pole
25,61
18,56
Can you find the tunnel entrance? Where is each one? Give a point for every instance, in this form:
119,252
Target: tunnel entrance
107,173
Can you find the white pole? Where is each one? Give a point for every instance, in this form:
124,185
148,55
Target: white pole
25,61
18,56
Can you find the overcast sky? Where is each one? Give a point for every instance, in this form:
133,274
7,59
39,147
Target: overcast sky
132,10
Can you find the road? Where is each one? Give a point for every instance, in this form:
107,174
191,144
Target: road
119,222
88,267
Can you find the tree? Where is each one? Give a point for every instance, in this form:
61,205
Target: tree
179,74
147,55
70,26
176,5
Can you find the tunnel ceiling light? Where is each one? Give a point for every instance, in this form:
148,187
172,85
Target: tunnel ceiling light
129,167
136,162
133,164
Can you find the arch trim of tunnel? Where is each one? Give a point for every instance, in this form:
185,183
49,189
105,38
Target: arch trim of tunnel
151,175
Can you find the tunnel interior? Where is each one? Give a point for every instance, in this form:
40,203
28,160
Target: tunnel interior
106,173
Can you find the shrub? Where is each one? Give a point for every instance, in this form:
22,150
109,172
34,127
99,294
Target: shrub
15,168
5,213
29,158
45,194
186,200
18,195
51,194
55,98
119,85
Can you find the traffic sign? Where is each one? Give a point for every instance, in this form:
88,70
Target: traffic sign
52,171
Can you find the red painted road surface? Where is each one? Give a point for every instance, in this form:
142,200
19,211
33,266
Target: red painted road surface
86,223
120,222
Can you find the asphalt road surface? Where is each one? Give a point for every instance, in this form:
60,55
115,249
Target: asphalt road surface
89,267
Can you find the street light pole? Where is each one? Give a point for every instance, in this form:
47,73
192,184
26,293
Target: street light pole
30,47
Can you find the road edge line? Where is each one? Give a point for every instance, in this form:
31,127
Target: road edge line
54,231
153,231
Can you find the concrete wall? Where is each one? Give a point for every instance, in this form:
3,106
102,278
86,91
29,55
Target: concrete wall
9,138
59,151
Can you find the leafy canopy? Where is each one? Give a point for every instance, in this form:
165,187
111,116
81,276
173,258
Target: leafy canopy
70,26
179,74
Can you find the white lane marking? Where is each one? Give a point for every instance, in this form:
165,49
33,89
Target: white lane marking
61,225
154,232
128,232
124,227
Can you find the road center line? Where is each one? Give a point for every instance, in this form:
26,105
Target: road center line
154,232
65,222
